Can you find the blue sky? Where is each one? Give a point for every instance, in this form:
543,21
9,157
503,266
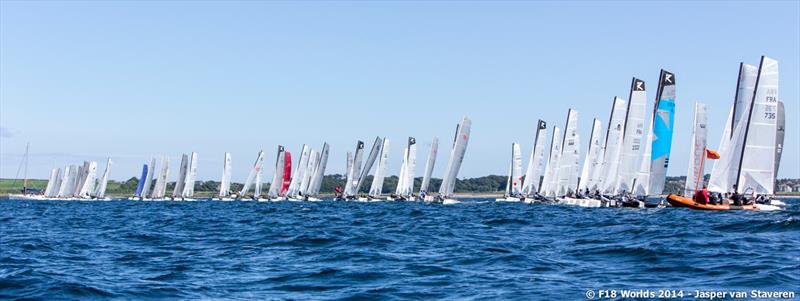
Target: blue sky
133,80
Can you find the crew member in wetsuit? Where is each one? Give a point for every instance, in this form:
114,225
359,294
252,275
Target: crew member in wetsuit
338,191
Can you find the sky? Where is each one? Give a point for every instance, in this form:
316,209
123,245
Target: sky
135,80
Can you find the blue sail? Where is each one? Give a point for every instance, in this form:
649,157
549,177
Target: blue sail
663,122
140,187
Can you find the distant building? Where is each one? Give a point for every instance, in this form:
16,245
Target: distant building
796,187
785,188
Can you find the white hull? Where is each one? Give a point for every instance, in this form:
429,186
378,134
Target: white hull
508,199
450,202
764,207
590,203
27,197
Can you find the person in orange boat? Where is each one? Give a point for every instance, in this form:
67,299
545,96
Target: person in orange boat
701,196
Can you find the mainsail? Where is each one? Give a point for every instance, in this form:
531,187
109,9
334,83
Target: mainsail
514,181
161,182
376,188
634,132
299,172
180,182
148,180
277,177
781,131
191,175
426,177
613,147
287,173
373,154
51,181
456,158
100,192
567,173
225,181
551,169
530,184
697,153
593,159
663,121
411,166
319,171
354,170
140,186
757,164
725,170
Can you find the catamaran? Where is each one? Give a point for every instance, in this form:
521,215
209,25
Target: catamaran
746,168
253,180
184,185
317,174
353,172
566,191
224,193
658,150
26,193
454,164
530,184
283,171
513,192
376,188
547,190
99,192
160,188
371,157
293,193
632,143
426,177
405,181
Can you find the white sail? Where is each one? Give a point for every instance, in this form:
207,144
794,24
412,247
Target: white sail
530,184
80,178
87,180
514,183
257,184
613,147
251,177
180,182
592,162
426,177
726,169
299,172
159,191
550,171
354,170
401,178
641,186
51,181
62,187
632,147
225,181
319,171
697,152
277,177
373,155
376,188
757,165
100,192
456,158
313,157
567,173
781,131
191,176
411,166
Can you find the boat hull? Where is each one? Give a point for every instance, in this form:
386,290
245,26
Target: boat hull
684,202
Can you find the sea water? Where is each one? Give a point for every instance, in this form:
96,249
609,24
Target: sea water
386,250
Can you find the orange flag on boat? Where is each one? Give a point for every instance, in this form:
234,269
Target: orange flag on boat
712,154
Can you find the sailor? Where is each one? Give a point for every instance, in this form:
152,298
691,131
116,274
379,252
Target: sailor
338,190
701,196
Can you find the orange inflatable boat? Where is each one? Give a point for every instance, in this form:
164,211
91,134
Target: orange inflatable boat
680,201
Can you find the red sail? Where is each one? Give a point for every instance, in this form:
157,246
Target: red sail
287,173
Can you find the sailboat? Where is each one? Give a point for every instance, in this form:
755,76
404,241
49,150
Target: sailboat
224,193
454,164
184,185
353,171
294,192
99,192
513,191
405,181
139,194
253,179
747,160
318,174
661,136
530,184
371,157
632,147
547,190
426,176
26,193
160,188
592,163
566,191
376,188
